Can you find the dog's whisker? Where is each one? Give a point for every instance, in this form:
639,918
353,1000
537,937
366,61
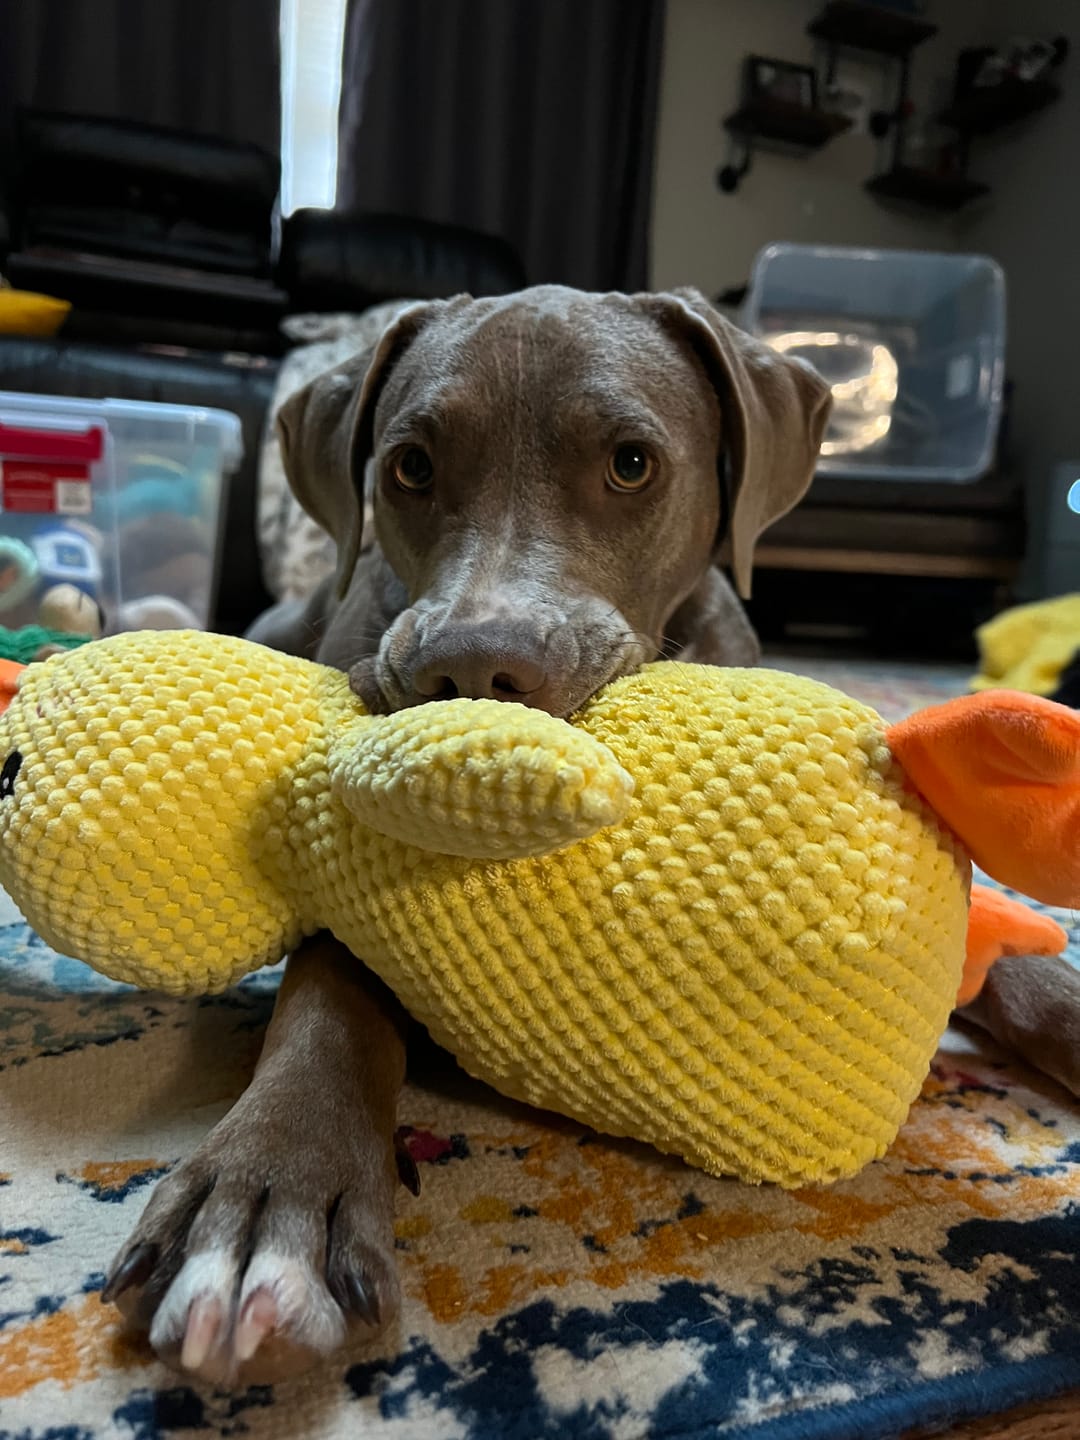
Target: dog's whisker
638,638
374,633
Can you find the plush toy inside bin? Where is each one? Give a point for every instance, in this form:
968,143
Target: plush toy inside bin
119,503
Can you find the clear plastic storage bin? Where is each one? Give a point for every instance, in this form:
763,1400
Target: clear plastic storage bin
913,344
121,499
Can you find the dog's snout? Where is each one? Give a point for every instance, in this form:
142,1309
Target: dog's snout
481,663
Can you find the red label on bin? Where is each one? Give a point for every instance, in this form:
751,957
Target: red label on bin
45,487
30,444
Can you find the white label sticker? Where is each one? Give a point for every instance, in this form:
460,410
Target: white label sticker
73,497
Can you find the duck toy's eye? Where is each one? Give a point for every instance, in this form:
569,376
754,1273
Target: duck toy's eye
8,774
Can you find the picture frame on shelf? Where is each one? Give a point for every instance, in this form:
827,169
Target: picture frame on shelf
781,81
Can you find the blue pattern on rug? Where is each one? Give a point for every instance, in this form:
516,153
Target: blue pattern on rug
556,1284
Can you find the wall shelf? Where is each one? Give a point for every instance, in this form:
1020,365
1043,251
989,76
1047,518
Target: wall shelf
893,35
860,26
926,188
782,122
982,111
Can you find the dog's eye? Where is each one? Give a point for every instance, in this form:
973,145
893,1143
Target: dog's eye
631,467
413,470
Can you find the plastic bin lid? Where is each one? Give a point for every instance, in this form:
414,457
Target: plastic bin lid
54,411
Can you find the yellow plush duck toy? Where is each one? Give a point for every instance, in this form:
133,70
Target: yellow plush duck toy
722,911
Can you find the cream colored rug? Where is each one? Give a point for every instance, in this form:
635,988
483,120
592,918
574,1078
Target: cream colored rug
556,1283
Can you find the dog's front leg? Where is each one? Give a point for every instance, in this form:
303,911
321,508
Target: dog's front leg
1030,1004
257,1254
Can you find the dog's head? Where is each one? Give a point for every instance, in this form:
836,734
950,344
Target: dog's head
548,474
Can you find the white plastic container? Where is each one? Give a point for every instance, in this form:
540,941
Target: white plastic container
913,344
122,499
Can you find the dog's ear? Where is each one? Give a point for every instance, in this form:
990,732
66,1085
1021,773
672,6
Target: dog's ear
325,434
774,411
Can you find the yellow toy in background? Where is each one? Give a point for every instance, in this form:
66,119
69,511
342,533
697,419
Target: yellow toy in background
712,912
24,312
1029,646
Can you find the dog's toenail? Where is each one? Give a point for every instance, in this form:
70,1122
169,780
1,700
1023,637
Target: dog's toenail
201,1330
363,1298
135,1269
258,1318
406,1166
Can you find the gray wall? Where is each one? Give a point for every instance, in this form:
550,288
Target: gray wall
1030,223
1032,228
703,237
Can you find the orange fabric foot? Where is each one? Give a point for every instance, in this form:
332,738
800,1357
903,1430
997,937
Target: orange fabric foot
999,925
1002,770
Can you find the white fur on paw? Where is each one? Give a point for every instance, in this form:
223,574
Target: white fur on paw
214,1331
210,1275
307,1314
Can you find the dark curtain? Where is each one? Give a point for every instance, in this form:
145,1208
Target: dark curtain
529,119
209,66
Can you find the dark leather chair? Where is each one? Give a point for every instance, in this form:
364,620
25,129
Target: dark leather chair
91,183
160,236
331,261
145,230
328,262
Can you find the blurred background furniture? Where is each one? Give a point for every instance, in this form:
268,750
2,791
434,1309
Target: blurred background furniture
181,273
913,529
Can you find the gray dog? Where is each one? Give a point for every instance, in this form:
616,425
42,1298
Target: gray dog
549,474
548,503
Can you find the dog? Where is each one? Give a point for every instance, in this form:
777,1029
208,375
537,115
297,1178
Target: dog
555,477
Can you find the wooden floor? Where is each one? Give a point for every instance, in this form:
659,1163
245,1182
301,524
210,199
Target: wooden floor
1054,1420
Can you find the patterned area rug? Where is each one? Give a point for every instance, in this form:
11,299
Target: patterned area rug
556,1283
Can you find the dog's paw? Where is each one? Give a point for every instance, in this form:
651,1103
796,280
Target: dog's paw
1030,1004
261,1253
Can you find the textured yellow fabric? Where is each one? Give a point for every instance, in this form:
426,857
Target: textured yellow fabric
132,835
749,966
479,778
1027,647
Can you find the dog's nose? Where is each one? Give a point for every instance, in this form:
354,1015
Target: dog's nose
481,662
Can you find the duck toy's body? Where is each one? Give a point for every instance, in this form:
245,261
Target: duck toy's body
722,911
